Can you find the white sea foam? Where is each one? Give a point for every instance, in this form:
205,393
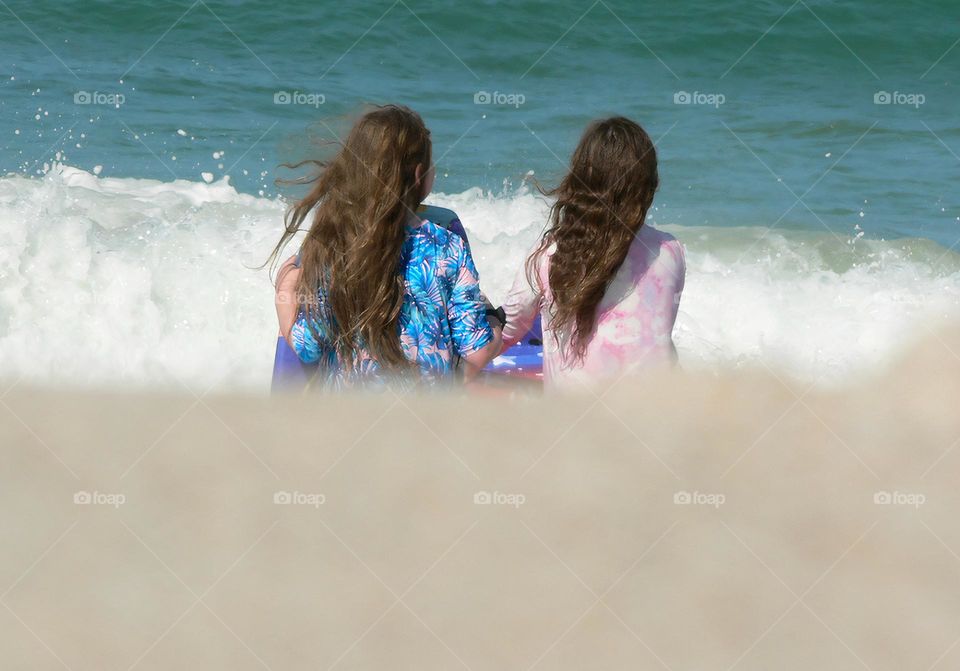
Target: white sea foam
141,282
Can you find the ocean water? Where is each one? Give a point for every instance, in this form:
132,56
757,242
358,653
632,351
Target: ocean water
809,160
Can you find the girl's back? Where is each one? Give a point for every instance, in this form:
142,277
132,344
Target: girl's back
442,316
634,319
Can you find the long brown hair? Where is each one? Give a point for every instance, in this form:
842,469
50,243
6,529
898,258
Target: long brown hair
361,200
600,206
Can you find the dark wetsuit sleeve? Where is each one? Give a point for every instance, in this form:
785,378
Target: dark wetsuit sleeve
456,227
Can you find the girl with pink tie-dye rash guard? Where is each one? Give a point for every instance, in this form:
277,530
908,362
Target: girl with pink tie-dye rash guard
634,320
606,284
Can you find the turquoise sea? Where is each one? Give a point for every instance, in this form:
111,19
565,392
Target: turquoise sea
798,83
810,155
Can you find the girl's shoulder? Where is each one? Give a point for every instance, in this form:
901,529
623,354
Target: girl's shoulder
437,239
655,234
671,249
430,230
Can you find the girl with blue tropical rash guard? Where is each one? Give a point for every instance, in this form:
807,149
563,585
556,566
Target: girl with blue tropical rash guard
377,292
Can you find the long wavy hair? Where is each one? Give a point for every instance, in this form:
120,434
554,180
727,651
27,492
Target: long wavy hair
600,206
361,201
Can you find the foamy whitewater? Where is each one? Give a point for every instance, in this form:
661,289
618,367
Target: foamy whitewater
134,282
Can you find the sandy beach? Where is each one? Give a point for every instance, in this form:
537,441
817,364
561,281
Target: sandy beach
680,522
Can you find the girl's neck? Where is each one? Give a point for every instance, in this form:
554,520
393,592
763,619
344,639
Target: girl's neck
413,221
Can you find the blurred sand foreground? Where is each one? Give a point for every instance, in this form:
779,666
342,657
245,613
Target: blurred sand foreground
678,523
